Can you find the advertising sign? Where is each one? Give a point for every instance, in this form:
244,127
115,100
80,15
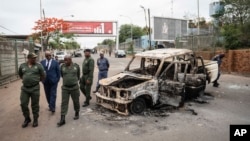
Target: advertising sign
86,27
166,29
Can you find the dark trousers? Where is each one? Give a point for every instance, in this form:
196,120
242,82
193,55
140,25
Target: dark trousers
66,94
218,77
50,92
32,93
86,88
101,75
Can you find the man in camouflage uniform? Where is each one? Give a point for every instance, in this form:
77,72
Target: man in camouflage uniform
70,73
87,76
31,74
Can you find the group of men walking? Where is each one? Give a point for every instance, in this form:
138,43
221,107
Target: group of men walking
49,72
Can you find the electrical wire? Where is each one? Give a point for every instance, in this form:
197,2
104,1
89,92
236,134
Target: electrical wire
8,29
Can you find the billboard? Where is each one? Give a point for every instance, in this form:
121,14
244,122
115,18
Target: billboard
167,29
86,27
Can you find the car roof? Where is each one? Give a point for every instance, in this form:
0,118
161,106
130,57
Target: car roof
163,53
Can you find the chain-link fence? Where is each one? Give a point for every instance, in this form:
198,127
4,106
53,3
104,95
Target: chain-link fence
137,45
197,43
11,56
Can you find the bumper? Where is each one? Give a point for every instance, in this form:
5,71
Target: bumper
61,61
114,104
121,55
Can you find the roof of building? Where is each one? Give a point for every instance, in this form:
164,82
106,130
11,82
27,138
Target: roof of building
163,53
24,37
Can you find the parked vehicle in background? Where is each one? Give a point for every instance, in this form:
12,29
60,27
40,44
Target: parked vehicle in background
61,55
94,51
120,53
161,76
78,53
160,46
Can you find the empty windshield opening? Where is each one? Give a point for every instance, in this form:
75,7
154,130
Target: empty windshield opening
144,66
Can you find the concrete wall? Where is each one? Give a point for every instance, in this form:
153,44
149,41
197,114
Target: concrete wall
235,60
11,57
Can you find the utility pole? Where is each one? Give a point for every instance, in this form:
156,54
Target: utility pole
198,37
117,36
149,30
198,7
41,38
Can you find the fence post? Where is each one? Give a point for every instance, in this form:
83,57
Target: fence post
16,57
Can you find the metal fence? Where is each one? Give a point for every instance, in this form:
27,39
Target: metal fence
137,45
11,57
197,43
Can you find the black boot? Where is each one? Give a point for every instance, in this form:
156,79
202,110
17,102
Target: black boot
96,90
76,116
62,121
86,103
26,122
35,122
216,84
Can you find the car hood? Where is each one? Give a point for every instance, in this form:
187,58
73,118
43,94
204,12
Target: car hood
123,75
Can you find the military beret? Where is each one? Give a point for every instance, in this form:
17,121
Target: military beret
32,55
87,50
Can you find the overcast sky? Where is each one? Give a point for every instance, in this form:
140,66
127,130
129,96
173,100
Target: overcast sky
19,16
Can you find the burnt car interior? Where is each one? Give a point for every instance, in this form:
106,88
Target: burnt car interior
147,67
182,77
127,81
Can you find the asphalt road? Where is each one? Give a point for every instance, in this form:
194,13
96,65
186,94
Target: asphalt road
228,104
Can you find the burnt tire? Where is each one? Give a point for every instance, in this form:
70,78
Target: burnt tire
138,106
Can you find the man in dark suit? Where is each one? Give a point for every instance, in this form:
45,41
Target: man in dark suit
52,69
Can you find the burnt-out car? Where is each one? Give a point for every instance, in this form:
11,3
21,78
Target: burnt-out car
162,76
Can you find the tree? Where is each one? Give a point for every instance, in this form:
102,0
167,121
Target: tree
237,11
108,42
231,36
67,44
125,32
50,27
236,23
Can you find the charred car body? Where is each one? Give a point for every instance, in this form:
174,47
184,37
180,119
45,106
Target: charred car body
166,76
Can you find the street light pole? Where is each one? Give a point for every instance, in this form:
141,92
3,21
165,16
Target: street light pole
144,9
148,29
